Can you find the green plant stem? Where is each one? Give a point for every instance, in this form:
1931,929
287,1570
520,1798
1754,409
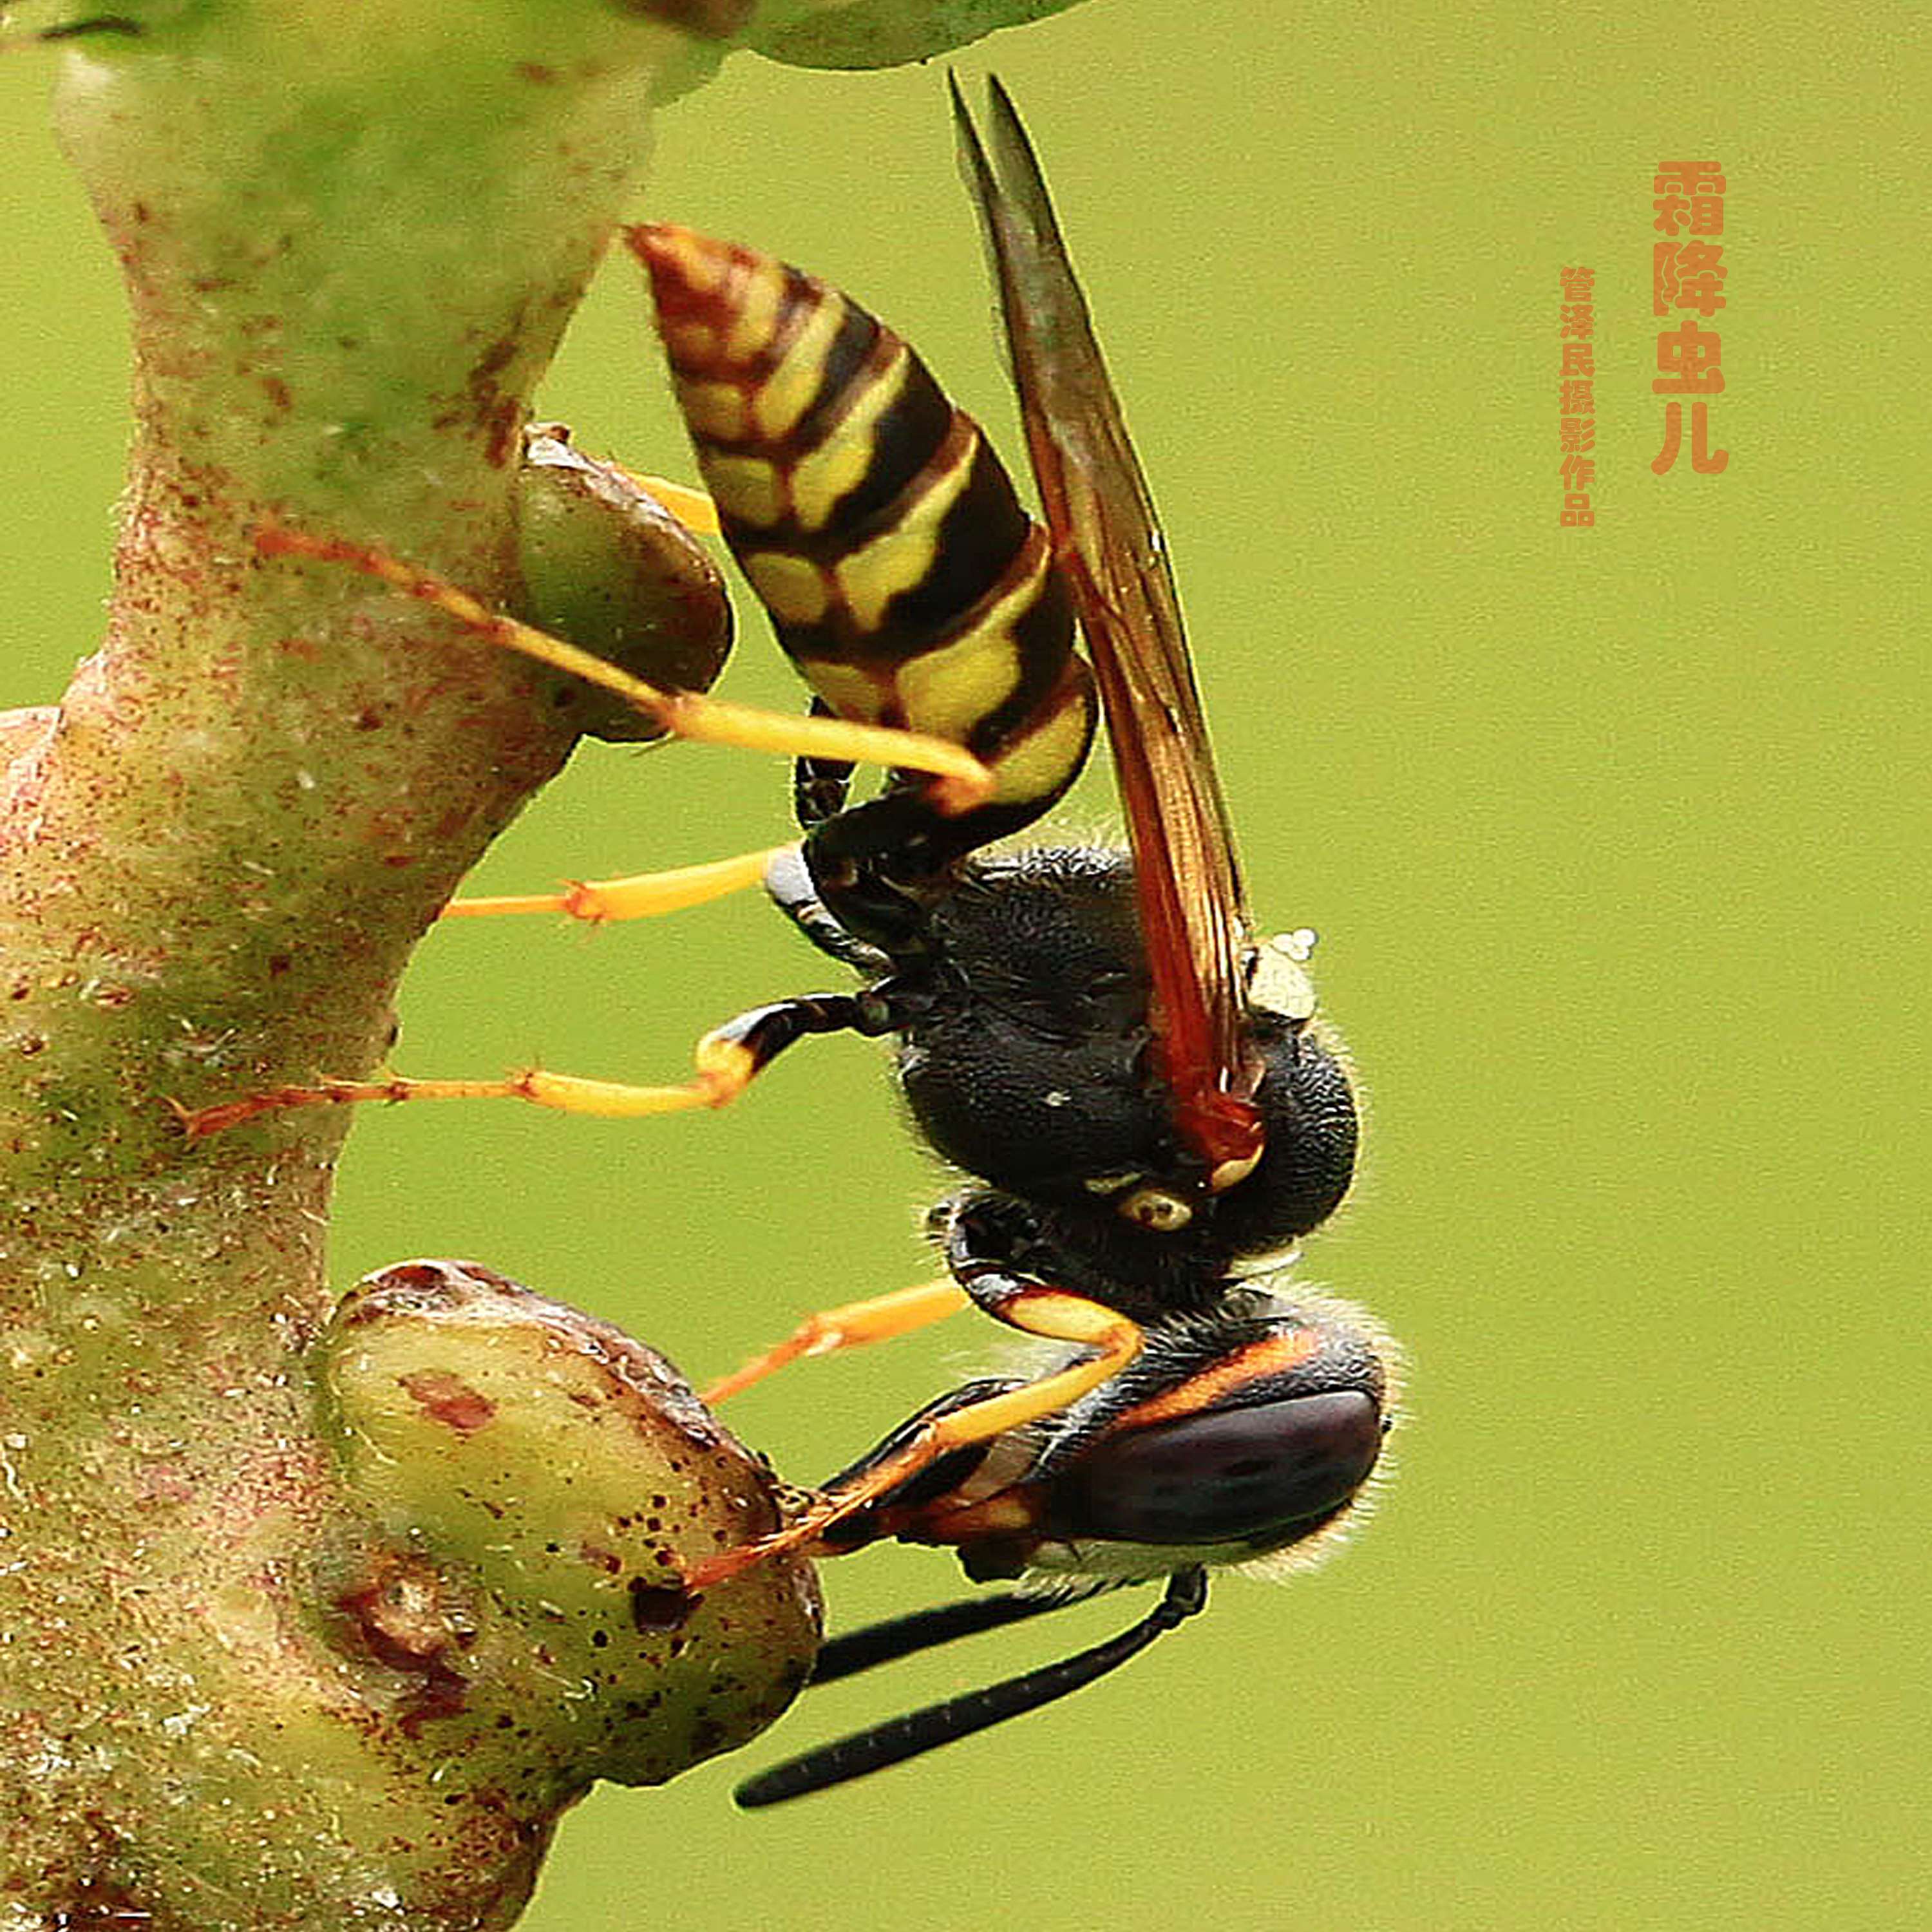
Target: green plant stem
246,1684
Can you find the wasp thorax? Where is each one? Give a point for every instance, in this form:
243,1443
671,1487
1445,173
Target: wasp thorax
1028,1060
1025,1062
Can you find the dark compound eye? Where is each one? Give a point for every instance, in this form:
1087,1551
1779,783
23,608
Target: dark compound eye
1225,1476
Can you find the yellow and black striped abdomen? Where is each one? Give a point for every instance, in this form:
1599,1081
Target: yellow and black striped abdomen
878,528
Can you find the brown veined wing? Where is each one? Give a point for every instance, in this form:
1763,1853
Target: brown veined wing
1108,541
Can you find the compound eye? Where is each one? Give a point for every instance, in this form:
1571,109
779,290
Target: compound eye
1224,1476
1159,1209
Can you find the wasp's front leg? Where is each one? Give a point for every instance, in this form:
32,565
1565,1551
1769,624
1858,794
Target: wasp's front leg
980,1247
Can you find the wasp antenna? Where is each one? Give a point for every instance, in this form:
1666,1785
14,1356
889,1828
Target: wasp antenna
918,1732
896,1637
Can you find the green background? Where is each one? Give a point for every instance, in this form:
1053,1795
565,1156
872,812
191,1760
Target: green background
1616,839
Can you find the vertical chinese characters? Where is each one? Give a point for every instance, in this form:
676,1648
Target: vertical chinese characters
1688,274
1576,402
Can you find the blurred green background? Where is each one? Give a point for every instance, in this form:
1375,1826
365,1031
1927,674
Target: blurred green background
1617,841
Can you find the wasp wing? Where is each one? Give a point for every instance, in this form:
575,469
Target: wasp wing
1108,542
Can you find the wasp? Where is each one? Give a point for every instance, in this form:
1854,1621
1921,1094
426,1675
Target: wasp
1151,1112
1145,1098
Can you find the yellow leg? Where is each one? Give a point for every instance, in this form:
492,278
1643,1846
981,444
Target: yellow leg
1047,1312
723,1068
642,896
878,1319
964,782
692,508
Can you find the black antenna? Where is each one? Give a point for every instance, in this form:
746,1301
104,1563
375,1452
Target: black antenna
887,1642
917,1732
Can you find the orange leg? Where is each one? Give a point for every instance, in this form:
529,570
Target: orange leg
963,781
727,1058
692,508
723,1063
877,1319
724,1069
1046,1311
641,896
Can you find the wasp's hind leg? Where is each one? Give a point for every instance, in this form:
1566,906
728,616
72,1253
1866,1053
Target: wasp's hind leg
692,508
961,781
638,895
790,887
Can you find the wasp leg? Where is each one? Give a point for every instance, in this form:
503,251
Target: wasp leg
727,1058
692,508
639,896
1028,1305
568,1092
788,884
963,781
877,1319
